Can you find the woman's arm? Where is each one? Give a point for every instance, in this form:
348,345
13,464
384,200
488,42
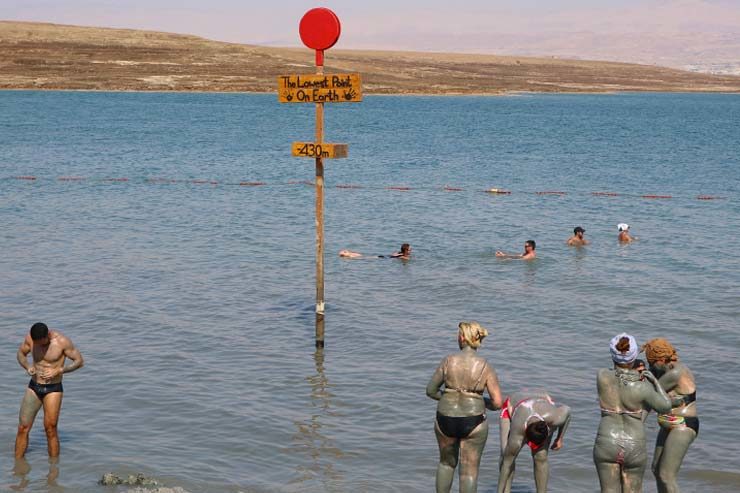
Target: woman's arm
658,399
438,378
493,390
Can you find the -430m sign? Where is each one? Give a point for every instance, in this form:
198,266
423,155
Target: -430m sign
322,150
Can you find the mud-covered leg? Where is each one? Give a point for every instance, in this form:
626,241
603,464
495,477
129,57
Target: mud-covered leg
674,450
52,407
449,450
504,425
471,451
609,471
30,406
541,467
632,475
659,444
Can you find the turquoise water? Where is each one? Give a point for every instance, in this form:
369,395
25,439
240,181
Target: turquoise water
193,303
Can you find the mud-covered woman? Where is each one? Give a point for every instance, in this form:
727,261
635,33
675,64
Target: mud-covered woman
625,396
678,427
461,426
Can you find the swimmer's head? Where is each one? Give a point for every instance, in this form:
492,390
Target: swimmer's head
623,227
40,333
470,334
578,231
405,249
537,432
530,243
624,349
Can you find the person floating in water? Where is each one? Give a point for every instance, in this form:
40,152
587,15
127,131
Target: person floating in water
624,233
403,254
529,419
577,239
461,427
680,426
625,396
49,349
529,252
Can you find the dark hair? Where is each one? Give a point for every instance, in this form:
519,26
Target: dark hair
39,331
405,248
531,243
578,229
537,432
623,345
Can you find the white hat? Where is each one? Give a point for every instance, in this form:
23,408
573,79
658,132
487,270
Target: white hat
623,357
623,226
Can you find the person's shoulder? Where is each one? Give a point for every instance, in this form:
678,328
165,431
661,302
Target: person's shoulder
60,338
604,373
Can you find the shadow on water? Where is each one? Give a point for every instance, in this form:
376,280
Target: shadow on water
311,440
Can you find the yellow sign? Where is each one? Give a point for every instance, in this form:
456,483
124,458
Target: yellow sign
323,150
330,88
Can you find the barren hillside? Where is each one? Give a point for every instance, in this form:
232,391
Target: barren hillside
49,56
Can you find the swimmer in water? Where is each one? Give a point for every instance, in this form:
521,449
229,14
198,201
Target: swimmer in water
529,252
577,239
680,426
624,233
625,394
403,254
529,419
461,426
49,349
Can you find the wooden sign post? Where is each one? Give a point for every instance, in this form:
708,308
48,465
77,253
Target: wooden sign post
319,29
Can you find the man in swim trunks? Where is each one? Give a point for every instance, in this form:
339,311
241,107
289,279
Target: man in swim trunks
529,252
680,427
577,239
49,349
529,419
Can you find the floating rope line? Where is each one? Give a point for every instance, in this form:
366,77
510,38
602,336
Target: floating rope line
350,186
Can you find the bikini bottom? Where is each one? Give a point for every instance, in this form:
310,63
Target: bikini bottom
458,426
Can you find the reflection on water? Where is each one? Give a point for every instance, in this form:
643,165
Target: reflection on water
22,470
311,440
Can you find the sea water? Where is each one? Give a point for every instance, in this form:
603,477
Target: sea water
193,303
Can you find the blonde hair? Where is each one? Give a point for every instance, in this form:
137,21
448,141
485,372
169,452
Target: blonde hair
472,333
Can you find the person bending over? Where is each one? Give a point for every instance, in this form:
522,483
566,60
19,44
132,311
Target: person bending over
529,419
461,427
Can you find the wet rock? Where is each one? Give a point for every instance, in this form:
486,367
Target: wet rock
110,479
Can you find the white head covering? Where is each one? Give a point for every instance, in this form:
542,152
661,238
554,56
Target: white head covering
623,226
626,357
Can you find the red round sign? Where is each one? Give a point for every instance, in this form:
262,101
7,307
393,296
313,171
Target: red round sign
320,28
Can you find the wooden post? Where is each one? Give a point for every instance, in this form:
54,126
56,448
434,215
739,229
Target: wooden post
319,216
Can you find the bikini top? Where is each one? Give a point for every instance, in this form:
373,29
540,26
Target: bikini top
470,391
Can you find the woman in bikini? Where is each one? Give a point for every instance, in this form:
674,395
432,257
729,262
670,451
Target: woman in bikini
531,419
680,426
461,427
625,396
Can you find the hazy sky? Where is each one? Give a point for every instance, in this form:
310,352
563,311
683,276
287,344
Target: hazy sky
401,24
